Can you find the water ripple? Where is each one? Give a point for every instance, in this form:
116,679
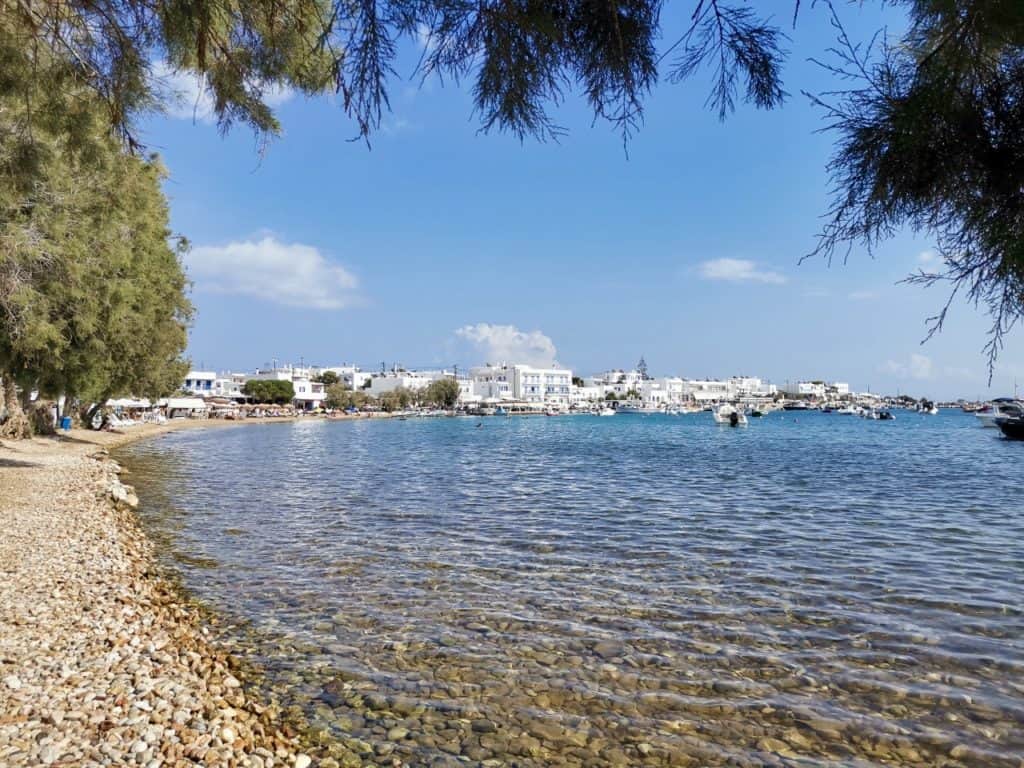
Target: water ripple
611,592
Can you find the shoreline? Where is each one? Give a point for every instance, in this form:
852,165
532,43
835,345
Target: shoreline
103,658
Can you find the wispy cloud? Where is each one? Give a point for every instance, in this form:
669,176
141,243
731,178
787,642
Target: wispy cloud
738,270
292,274
928,258
189,98
506,343
917,366
393,125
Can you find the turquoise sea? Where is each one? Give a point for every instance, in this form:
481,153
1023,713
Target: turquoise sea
811,590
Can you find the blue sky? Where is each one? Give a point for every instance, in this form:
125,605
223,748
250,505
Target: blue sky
440,245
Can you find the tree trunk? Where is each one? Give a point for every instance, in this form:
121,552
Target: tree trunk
17,425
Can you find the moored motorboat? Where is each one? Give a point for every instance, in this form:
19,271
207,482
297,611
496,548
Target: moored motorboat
1013,429
728,415
1000,408
606,411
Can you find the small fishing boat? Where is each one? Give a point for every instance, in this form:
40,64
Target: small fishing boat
846,410
606,411
756,413
798,405
885,416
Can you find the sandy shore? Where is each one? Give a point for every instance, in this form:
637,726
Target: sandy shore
102,660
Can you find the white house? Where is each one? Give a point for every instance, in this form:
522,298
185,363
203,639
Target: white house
389,381
309,394
200,383
350,375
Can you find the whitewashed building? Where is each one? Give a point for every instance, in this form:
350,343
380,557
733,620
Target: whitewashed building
200,383
813,389
523,382
351,376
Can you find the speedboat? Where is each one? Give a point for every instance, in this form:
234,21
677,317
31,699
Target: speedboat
635,406
846,410
798,405
1000,408
728,415
1013,429
885,416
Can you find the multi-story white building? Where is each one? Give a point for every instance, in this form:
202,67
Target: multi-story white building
812,389
837,389
752,386
708,390
523,382
616,381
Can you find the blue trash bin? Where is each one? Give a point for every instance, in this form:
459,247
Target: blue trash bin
65,423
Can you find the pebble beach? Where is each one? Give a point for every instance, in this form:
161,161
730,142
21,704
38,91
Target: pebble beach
103,661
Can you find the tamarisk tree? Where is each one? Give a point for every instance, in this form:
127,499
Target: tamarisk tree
92,294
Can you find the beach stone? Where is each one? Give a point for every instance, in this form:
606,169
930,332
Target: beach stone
609,649
12,682
303,761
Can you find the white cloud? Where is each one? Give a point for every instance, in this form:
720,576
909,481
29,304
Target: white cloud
498,343
188,97
286,273
918,367
926,258
738,270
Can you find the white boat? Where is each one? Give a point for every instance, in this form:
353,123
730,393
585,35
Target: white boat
846,410
729,415
1000,408
606,412
636,406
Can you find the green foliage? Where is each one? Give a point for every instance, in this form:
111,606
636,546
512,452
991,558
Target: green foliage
327,378
931,137
577,381
269,391
442,392
92,296
930,130
610,396
340,397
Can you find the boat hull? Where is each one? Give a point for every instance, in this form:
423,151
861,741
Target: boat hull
1012,428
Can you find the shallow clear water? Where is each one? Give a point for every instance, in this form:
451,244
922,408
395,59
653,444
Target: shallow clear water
638,590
